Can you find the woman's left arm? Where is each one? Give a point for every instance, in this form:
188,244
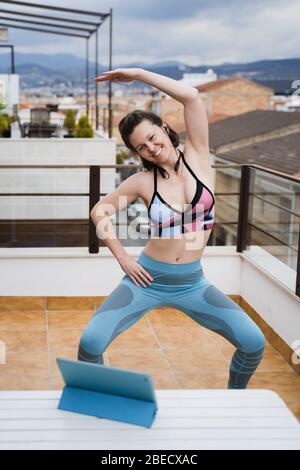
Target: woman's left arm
194,111
177,90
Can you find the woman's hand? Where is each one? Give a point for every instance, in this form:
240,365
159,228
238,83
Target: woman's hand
135,271
119,75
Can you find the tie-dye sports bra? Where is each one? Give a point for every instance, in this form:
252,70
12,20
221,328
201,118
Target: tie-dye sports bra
165,221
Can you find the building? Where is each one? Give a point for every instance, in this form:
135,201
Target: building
234,95
9,92
196,79
221,98
270,139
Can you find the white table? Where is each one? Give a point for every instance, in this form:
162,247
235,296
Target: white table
186,419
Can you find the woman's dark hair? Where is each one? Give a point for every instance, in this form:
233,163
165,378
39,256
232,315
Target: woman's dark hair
128,124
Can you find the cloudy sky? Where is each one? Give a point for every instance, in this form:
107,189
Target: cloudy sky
196,32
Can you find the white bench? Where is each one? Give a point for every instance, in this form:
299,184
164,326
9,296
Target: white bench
186,419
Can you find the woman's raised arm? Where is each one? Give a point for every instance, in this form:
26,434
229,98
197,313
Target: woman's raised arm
194,111
177,90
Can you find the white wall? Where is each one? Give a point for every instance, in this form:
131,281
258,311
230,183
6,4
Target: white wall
75,272
274,301
63,271
9,90
52,180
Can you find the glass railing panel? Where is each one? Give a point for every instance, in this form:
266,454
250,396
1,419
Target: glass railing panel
274,216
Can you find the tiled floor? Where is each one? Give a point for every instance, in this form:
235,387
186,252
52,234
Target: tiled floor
165,342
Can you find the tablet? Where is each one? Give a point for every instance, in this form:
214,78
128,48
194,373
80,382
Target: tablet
108,392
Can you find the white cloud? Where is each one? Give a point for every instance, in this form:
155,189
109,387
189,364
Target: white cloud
194,31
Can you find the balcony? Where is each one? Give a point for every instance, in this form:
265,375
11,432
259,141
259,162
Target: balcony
55,273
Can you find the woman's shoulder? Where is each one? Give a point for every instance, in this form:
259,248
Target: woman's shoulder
141,177
141,180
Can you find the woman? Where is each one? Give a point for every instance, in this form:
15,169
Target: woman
176,188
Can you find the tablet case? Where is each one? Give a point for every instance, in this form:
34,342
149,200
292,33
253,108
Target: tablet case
107,392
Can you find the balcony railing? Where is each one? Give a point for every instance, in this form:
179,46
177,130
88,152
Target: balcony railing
259,215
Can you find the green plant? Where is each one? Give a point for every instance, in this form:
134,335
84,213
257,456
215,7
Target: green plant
84,128
5,121
122,155
69,122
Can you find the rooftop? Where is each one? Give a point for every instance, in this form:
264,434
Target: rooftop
248,125
281,153
219,84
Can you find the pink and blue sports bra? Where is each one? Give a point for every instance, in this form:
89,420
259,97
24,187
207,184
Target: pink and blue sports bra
165,221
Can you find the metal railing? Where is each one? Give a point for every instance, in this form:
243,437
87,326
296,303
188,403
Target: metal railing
246,195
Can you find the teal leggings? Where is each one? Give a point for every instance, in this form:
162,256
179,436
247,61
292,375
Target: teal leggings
184,287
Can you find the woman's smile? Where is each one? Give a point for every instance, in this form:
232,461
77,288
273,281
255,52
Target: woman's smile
158,152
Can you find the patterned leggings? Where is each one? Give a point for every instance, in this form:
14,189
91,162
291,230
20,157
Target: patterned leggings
184,287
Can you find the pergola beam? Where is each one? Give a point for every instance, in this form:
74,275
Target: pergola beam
41,23
43,30
53,18
81,31
49,7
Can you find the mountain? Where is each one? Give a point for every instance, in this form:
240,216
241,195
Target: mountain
43,70
52,62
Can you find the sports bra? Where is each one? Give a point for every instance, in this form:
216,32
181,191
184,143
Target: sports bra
165,221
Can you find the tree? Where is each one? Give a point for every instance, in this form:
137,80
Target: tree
84,128
5,121
69,122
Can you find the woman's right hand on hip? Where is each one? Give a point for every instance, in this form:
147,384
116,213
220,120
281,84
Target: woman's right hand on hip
135,271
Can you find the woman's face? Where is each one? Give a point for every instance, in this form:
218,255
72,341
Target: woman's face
151,142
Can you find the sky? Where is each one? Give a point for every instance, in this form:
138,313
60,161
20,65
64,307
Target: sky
195,32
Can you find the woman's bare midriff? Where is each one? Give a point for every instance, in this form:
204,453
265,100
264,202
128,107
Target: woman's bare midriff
172,250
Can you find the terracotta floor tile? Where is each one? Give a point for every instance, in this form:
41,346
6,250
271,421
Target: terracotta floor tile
295,408
144,360
18,380
57,382
273,361
22,320
26,362
22,304
98,300
64,338
217,338
203,358
208,380
165,343
138,336
286,384
70,303
69,319
16,340
170,317
165,381
62,353
180,337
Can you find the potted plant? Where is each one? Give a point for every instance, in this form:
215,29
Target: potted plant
70,123
5,122
84,128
